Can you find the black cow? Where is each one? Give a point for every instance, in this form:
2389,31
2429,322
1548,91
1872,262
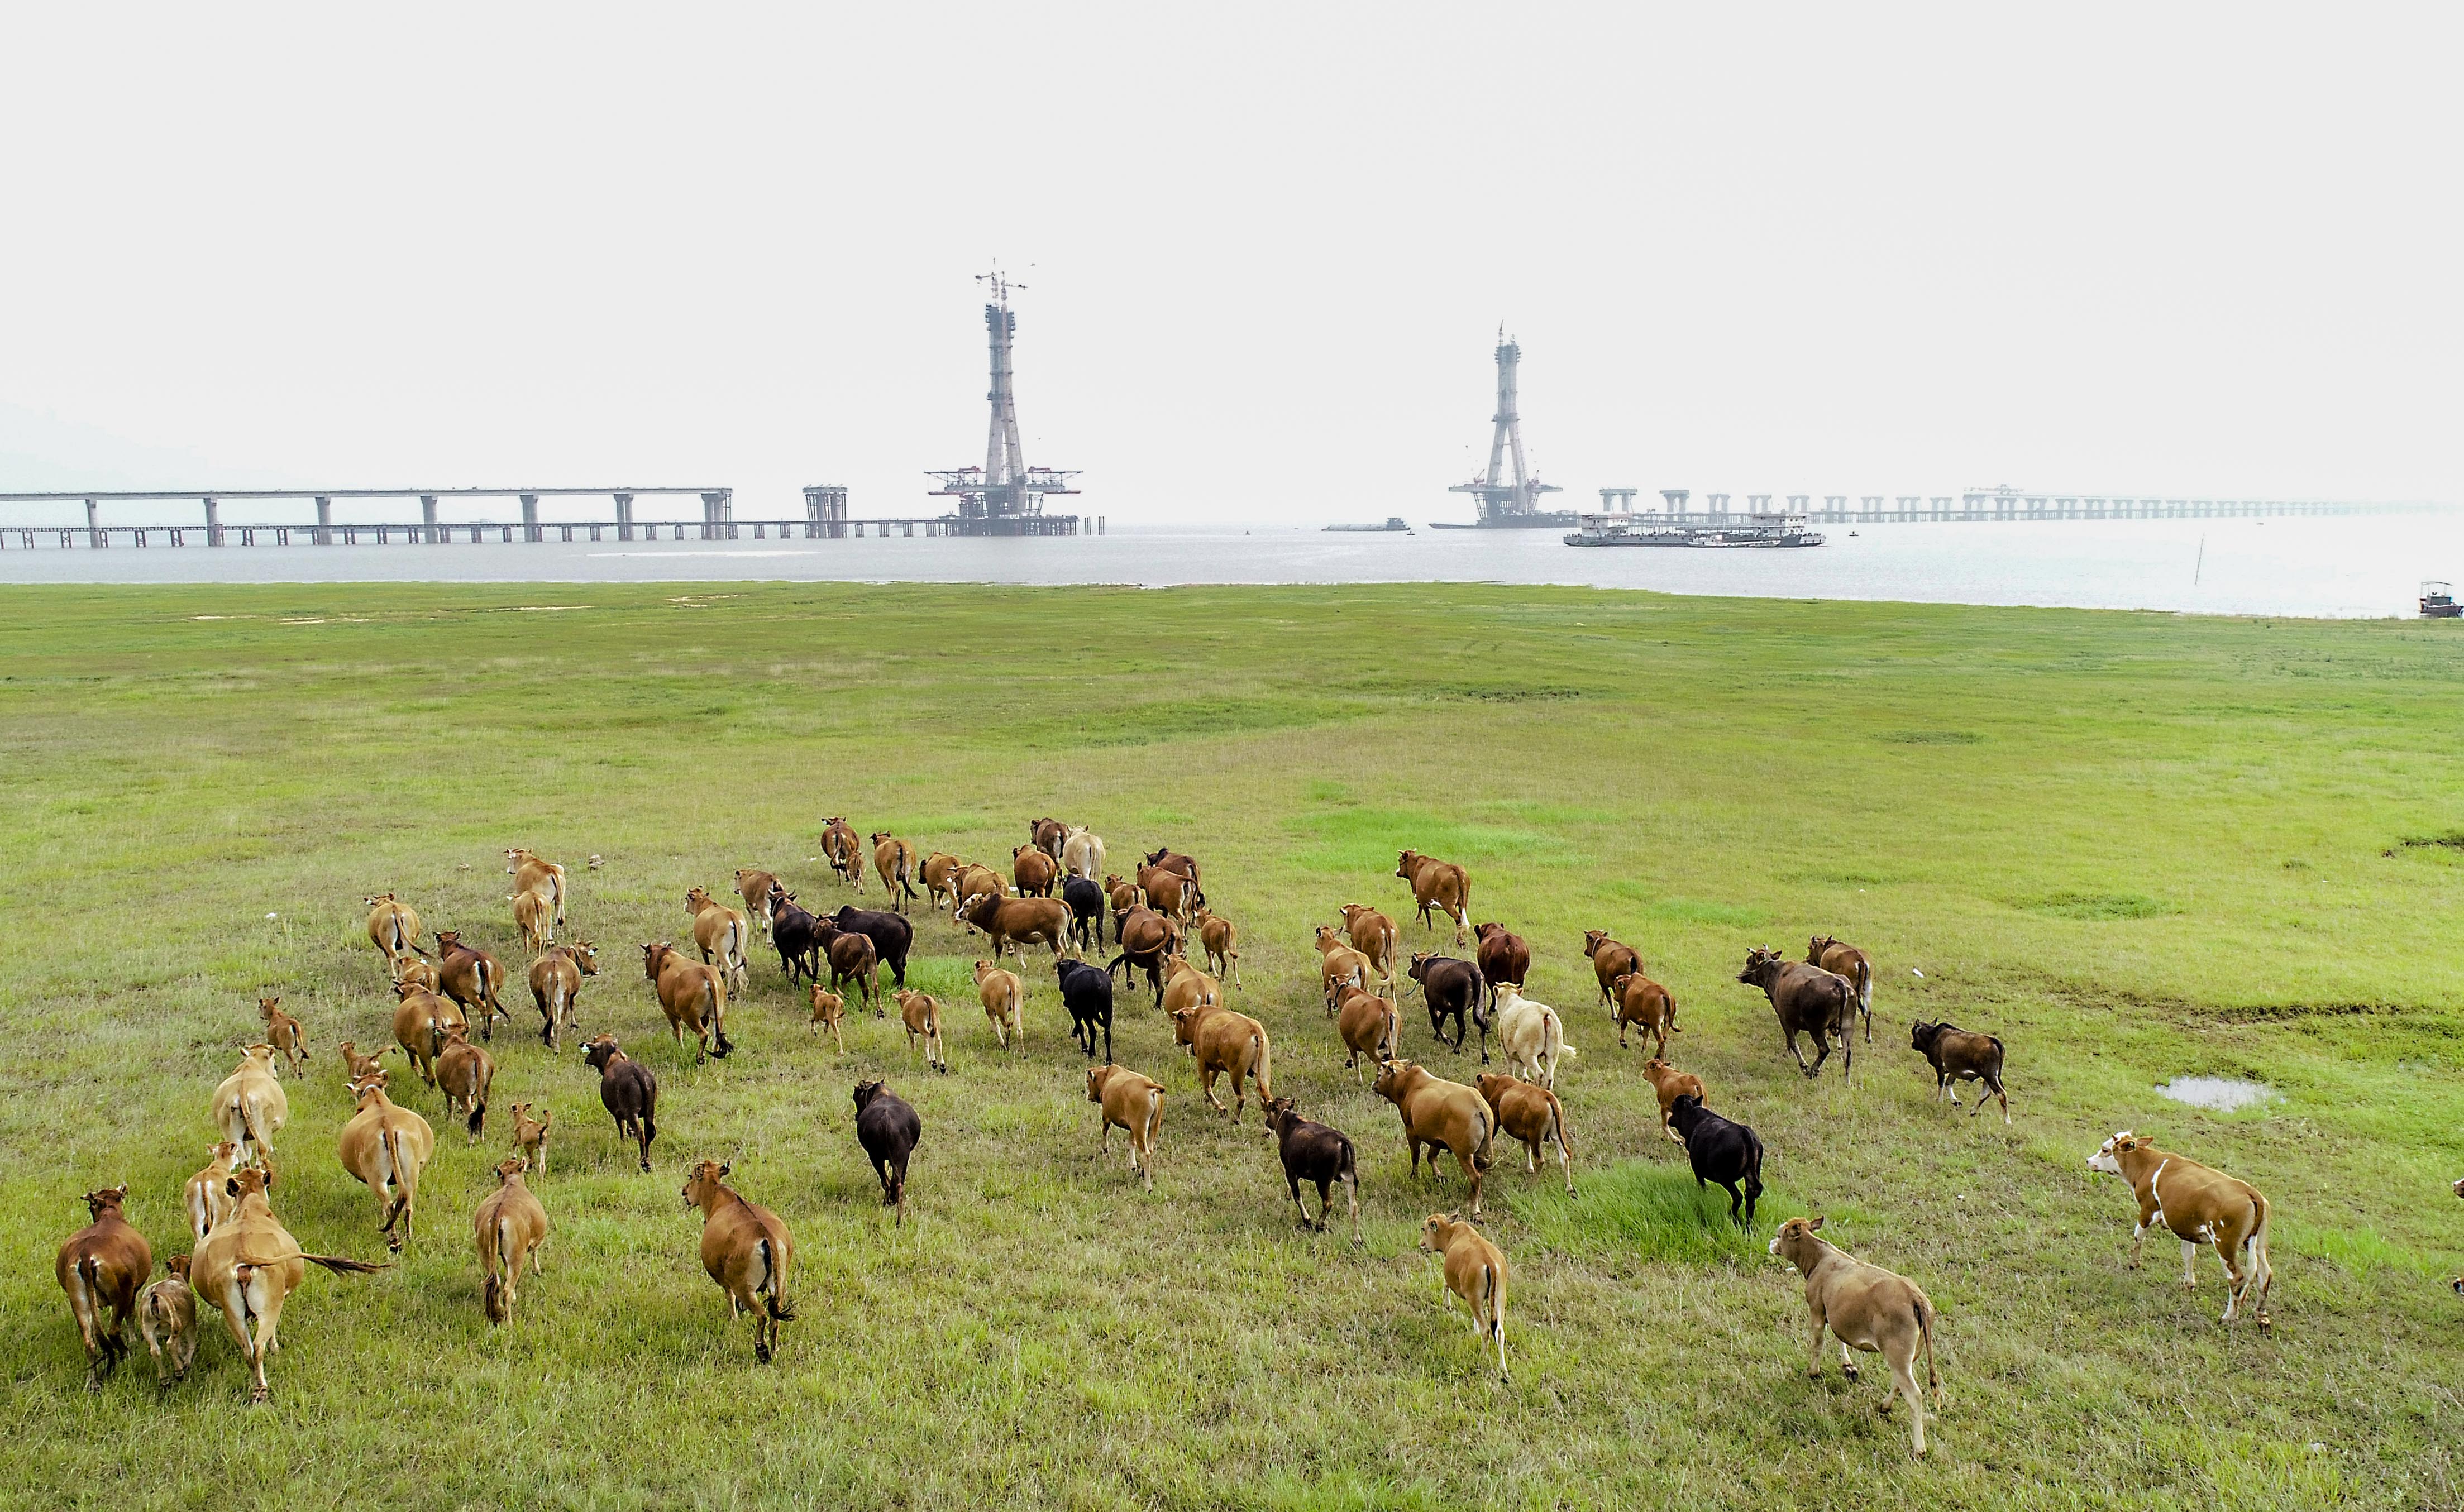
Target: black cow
1086,900
1086,992
797,934
892,937
1722,1151
1318,1153
628,1090
1451,987
888,1128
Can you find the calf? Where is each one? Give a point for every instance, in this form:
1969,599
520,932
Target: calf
1222,941
393,927
1438,1114
530,1134
101,1266
167,1315
536,874
386,1146
1610,960
921,1013
1808,1000
830,1011
464,1074
1720,1151
842,850
421,1021
755,887
1317,1154
2201,1206
1534,1115
417,971
888,1128
1339,967
1014,923
1082,854
555,987
1532,1035
1637,999
507,1228
1475,1270
1085,901
535,916
1504,959
890,934
1004,998
747,1250
1846,961
284,1033
1370,1025
1959,1056
972,883
1125,899
471,976
897,861
852,959
692,995
250,1107
796,936
627,1090
248,1267
1671,1084
207,1195
1373,935
1087,994
1864,1307
1134,1102
1451,988
1223,1040
1438,885
1034,871
356,1065
721,935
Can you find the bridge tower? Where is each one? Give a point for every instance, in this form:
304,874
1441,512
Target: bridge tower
1006,496
1503,502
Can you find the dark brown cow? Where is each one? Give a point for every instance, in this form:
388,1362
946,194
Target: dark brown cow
1640,1000
1147,938
101,1266
1439,886
1505,960
1610,961
1808,1000
1846,961
1046,837
1016,922
471,978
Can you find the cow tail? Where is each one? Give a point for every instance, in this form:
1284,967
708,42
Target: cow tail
1265,1072
558,877
248,1125
1865,988
718,1012
776,1303
1565,1140
1155,1125
1481,1156
478,1119
1924,1331
1754,1173
1672,1009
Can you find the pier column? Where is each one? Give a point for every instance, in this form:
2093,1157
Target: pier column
93,527
713,512
428,519
530,517
624,516
325,520
213,521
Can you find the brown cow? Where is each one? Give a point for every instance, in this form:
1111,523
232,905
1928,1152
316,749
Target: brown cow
1610,961
1185,986
973,881
356,1065
1863,1306
920,1012
101,1266
1846,961
1167,891
2202,1206
1222,941
842,850
386,1146
1046,837
1671,1084
284,1033
421,1021
1339,966
537,874
250,1106
464,1074
1808,1000
1534,1115
747,1250
1959,1055
418,973
1004,998
1504,960
530,1134
1439,886
1124,896
535,916
471,976
1475,1270
1370,1025
755,887
1639,1000
1223,1040
722,937
1438,1114
248,1267
167,1315
1033,871
205,1197
941,872
1173,860
1016,922
897,861
692,994
556,986
1372,934
509,1228
1132,1102
1147,940
830,1011
393,927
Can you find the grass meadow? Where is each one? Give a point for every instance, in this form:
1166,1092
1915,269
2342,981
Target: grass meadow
2133,846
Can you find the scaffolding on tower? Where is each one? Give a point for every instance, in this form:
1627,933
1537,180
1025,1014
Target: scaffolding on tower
1005,496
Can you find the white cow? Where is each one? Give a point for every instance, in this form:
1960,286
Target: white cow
1532,1035
1082,854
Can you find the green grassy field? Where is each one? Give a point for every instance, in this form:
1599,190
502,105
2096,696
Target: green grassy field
2133,845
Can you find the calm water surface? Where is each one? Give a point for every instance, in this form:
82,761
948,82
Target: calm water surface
2342,566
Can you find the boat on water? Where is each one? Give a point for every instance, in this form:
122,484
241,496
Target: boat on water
1394,522
1640,530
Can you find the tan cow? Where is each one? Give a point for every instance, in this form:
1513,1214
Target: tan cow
1185,986
167,1315
1371,1026
722,937
471,978
386,1146
530,1134
417,971
692,995
1438,887
537,874
1004,995
284,1033
464,1074
830,1011
1167,891
356,1065
1123,895
509,1228
1222,941
1014,923
1438,1114
941,872
248,1267
1131,1101
1339,966
1034,871
1864,1307
101,1266
393,927
1475,1270
1842,959
555,987
535,916
1610,960
1671,1084
1372,934
250,1106
972,883
1226,1041
747,1250
1081,853
897,861
1531,1034
842,850
2202,1206
755,888
421,1021
1533,1115
206,1196
920,1012
1637,999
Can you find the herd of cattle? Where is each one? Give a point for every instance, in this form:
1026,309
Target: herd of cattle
244,1264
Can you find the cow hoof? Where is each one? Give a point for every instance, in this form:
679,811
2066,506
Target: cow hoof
1850,1371
258,1397
2266,1324
1815,1374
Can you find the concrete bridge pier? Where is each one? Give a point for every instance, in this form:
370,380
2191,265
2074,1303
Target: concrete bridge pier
94,526
213,521
530,517
624,516
325,520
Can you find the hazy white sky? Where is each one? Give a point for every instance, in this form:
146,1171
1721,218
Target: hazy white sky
1769,248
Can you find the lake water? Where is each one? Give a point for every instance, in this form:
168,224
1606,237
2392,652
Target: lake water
2325,566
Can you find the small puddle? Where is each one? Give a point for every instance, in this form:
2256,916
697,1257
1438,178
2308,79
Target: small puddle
2218,1094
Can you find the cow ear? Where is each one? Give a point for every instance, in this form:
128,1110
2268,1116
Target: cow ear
725,1169
1814,1222
231,1187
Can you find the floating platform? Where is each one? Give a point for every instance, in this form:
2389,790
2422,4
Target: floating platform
1753,530
1536,520
1393,523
